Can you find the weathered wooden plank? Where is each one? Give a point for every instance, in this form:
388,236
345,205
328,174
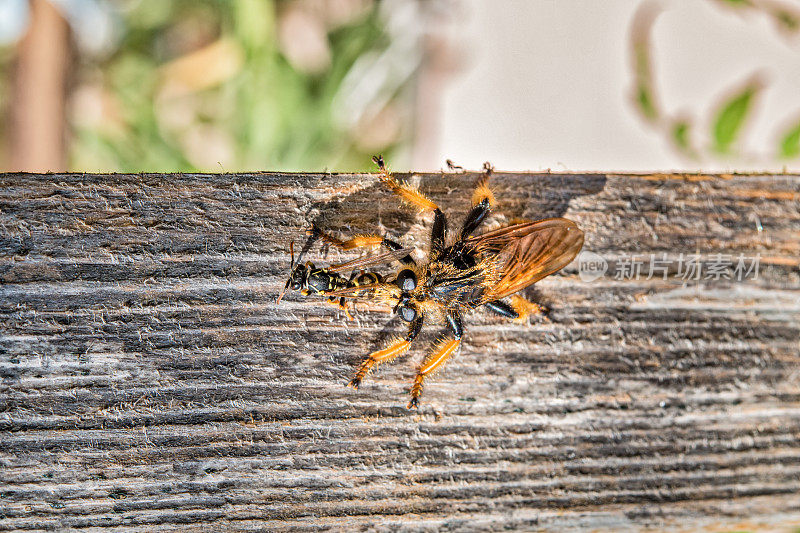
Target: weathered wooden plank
149,380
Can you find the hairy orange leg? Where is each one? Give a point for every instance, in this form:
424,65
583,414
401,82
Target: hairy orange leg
482,190
386,354
403,190
433,361
526,308
413,196
359,241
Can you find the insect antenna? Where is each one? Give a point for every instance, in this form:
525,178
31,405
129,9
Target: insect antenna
291,270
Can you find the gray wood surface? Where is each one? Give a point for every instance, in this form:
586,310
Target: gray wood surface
149,381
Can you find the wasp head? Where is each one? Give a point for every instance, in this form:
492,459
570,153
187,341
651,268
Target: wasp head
297,275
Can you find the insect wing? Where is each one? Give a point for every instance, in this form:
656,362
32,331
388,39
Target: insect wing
528,252
349,292
369,260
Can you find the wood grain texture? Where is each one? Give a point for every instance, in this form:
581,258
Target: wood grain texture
149,381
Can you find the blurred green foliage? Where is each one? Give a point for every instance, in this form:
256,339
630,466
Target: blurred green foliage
643,68
261,113
790,146
680,134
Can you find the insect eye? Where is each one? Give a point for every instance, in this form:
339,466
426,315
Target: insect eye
408,313
407,280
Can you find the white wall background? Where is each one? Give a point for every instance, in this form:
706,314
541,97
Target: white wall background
546,84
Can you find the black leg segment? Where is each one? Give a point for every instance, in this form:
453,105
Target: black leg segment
393,245
439,231
475,217
502,309
414,328
455,324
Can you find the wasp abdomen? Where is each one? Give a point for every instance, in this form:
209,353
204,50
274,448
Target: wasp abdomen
324,281
367,278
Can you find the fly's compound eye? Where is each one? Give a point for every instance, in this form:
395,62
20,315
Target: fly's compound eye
406,280
296,277
408,313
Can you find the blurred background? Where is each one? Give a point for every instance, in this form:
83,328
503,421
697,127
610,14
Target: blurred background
307,85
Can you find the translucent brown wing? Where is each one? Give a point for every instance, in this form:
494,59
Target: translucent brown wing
369,260
525,253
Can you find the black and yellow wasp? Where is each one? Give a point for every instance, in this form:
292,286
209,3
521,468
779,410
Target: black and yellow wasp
459,275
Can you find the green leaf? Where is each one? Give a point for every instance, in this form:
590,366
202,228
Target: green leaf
731,117
786,19
644,96
680,135
644,99
790,143
644,93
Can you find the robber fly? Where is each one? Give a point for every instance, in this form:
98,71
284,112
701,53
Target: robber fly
471,271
